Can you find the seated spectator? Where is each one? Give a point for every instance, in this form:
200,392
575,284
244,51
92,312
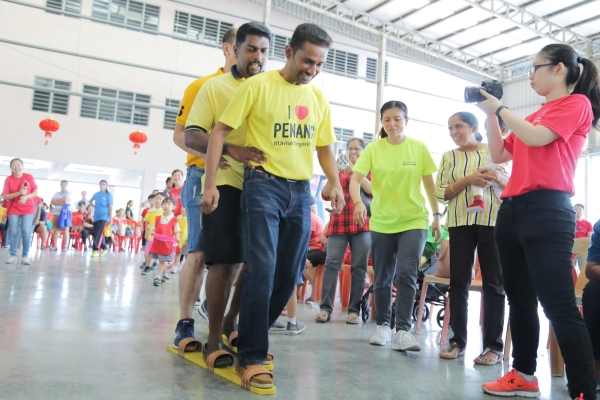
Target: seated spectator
3,225
129,210
88,226
39,223
591,298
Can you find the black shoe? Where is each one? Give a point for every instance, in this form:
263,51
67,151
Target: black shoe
147,270
184,329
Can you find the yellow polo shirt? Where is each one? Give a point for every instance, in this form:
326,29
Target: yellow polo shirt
285,121
212,100
184,109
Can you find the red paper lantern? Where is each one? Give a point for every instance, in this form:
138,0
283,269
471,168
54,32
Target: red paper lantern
138,137
49,125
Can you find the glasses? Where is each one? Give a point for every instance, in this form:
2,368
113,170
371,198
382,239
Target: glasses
534,68
354,148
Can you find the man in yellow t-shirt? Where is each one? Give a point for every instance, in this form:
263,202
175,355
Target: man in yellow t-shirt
286,118
191,277
222,240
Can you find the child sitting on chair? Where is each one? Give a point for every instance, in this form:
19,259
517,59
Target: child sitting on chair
166,235
478,205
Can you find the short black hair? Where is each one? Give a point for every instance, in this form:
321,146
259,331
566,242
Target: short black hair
579,205
167,200
359,140
81,203
310,33
151,196
229,36
168,180
67,182
252,28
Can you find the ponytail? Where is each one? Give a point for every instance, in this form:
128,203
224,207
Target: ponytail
589,86
584,78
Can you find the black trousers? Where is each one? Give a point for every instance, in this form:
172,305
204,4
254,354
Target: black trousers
591,313
99,242
463,242
316,257
534,233
84,235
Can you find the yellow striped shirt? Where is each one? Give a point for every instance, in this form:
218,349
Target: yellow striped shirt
454,166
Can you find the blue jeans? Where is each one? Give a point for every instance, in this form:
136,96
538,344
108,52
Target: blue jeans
191,196
276,215
20,225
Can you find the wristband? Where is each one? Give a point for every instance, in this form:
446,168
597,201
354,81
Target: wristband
225,147
437,215
500,109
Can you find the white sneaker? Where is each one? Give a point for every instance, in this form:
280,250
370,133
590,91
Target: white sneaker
25,261
11,260
382,335
405,341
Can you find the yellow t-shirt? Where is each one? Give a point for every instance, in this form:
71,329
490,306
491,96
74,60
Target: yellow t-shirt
150,218
184,109
398,202
2,213
183,230
211,101
285,121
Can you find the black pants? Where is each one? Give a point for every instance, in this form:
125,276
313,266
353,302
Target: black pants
463,241
534,233
144,237
591,313
84,235
316,257
99,242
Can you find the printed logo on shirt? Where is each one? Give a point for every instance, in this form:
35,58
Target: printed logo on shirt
293,133
181,111
409,161
540,117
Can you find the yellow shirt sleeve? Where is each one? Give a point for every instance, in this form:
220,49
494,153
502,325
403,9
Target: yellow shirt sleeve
363,164
201,114
186,103
326,133
442,182
240,106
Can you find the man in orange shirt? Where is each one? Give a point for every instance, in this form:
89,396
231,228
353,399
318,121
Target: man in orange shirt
191,277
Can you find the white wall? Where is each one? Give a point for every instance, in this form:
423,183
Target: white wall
102,143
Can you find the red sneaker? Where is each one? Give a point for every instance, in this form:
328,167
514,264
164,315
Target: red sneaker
476,206
512,384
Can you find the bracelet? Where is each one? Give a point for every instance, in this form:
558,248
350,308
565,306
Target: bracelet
225,147
451,188
500,109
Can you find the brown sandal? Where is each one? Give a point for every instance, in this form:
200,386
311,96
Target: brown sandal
270,358
216,356
483,359
254,375
188,345
451,352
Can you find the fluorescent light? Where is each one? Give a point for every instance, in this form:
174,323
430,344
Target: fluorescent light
421,3
92,170
447,15
491,34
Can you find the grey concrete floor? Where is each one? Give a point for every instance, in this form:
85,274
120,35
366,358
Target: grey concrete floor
72,327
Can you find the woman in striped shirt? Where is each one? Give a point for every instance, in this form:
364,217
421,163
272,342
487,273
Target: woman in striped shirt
460,170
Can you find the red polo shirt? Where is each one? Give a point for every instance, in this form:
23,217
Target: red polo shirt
552,166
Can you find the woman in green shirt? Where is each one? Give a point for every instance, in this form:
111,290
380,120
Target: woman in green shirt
399,219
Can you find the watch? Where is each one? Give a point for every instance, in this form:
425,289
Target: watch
437,215
500,109
225,147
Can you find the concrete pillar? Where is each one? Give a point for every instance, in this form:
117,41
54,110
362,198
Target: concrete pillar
380,79
267,12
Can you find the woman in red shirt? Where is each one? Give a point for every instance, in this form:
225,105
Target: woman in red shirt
19,193
175,193
535,225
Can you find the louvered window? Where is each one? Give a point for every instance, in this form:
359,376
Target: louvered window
170,116
341,63
199,28
372,70
73,6
367,137
128,13
56,103
110,109
278,47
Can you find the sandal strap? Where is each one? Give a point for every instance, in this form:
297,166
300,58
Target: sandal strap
488,350
232,336
452,347
270,356
185,342
250,372
212,357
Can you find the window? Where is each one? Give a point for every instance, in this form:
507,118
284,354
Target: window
201,29
367,137
113,110
73,6
278,47
372,70
343,136
341,62
129,13
170,116
56,103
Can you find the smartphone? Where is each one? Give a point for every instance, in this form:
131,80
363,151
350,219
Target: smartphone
329,210
342,159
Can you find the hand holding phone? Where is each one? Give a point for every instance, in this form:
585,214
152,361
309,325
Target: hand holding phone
342,159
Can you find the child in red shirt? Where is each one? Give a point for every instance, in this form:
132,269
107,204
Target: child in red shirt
535,224
166,235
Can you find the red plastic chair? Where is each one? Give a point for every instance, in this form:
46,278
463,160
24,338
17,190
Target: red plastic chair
77,223
134,238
